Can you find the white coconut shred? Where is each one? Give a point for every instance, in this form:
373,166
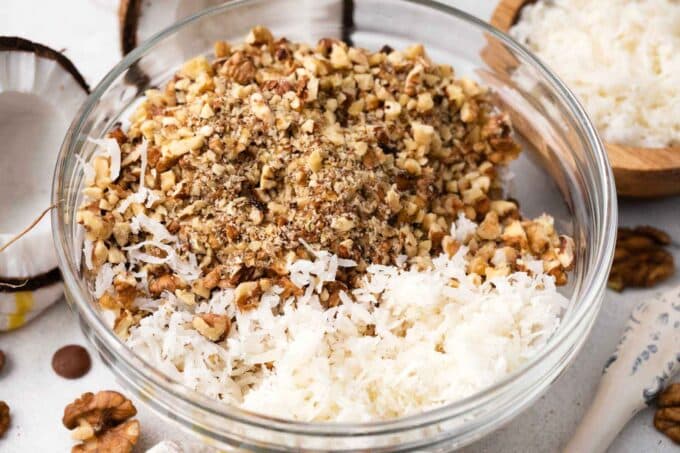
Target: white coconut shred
621,57
432,343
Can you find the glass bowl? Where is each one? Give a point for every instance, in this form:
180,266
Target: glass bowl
563,170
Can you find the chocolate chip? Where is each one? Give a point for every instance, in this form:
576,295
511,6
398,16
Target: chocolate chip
2,360
71,362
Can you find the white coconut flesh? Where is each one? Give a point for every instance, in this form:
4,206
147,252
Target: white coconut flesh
40,92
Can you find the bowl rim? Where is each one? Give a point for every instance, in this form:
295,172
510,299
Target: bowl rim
593,283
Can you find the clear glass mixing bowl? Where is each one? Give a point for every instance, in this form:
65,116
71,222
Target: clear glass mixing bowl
563,171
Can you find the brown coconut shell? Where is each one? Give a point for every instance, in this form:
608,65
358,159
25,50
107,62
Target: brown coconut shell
128,19
15,43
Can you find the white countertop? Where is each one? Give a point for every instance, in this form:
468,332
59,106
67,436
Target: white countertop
87,30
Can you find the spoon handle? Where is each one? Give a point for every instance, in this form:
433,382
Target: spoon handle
647,356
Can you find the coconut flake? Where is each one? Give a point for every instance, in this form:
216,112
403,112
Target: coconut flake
88,246
143,194
138,197
189,271
112,150
104,279
463,228
157,229
456,341
78,243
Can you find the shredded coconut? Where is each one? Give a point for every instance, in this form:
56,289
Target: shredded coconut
78,244
622,58
104,279
463,228
431,343
88,247
157,229
143,194
111,149
189,271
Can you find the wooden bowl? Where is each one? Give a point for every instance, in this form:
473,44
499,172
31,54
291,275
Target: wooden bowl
639,172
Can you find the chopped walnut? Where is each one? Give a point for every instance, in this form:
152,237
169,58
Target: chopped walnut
213,327
163,283
368,155
667,417
246,294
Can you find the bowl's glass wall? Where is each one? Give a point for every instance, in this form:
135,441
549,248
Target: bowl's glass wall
562,171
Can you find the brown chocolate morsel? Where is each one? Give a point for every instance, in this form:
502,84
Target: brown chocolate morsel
71,362
2,360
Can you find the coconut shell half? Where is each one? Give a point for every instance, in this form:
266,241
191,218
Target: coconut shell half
40,92
141,19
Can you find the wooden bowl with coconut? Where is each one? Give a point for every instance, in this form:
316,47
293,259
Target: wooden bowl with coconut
633,102
40,92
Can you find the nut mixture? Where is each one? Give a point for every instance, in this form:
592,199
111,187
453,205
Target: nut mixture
369,155
667,417
102,422
640,259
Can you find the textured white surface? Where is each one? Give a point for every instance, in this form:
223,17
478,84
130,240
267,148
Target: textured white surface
87,29
632,52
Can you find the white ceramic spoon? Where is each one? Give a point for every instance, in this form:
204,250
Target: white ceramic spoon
647,357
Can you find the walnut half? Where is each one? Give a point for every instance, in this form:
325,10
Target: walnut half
667,418
102,422
640,259
119,439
